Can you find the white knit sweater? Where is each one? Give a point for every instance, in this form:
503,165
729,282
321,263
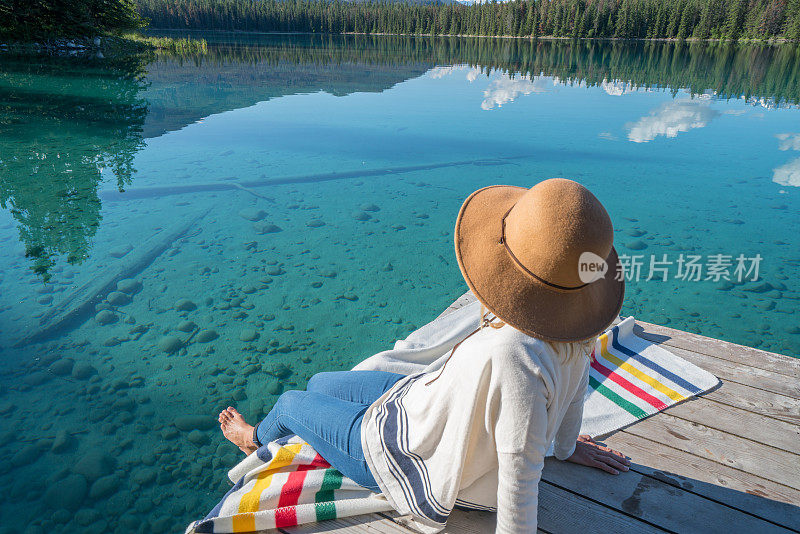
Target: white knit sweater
477,436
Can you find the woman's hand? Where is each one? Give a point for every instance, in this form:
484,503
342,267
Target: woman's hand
589,452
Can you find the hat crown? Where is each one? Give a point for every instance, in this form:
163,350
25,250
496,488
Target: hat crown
552,224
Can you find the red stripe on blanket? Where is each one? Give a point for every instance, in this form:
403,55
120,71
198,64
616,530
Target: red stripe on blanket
318,462
285,513
608,373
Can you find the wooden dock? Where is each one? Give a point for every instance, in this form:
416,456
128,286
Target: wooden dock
726,462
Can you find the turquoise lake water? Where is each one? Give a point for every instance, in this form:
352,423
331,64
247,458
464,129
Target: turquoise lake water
184,233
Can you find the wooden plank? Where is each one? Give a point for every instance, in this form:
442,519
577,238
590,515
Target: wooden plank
560,511
743,491
742,374
742,423
740,453
717,348
756,400
360,524
470,522
564,512
654,501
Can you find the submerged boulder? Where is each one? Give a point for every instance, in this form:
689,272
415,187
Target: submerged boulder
67,493
106,317
170,344
187,423
252,214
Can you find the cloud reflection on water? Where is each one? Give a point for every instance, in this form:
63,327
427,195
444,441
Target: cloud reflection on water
788,173
504,90
670,119
788,141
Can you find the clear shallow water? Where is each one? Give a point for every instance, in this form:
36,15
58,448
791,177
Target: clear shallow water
359,151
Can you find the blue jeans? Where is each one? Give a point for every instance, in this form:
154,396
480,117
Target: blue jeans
328,417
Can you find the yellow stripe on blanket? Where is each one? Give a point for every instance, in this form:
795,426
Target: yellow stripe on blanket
245,521
669,392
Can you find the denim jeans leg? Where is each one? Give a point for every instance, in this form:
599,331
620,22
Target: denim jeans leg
364,387
332,426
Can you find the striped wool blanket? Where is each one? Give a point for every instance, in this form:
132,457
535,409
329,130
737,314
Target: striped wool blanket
287,483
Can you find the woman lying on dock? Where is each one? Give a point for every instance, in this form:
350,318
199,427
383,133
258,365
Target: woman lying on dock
475,432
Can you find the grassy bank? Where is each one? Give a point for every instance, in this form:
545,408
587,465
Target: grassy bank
107,45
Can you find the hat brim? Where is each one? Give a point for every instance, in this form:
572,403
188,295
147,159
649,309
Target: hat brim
514,296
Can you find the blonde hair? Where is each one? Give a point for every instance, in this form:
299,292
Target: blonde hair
573,349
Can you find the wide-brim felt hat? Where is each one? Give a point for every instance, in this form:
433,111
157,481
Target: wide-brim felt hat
527,256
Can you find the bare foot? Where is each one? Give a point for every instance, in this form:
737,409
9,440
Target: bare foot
237,430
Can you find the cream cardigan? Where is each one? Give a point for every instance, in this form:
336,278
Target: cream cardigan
477,436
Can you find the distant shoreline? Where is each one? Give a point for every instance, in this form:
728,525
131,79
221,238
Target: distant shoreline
469,36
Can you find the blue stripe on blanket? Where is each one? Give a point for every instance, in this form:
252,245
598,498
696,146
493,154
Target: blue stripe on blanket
651,364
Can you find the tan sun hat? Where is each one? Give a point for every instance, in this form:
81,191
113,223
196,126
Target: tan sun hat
534,257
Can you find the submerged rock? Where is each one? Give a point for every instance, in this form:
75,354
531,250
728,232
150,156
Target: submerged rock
186,326
197,437
187,423
113,341
315,223
251,369
67,493
759,287
252,214
725,285
185,305
266,228
36,378
27,455
106,317
282,371
118,298
62,367
170,344
129,286
638,244
144,477
248,334
362,216
86,516
120,251
204,336
95,464
370,207
62,442
83,370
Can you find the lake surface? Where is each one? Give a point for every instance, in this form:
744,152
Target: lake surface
184,233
